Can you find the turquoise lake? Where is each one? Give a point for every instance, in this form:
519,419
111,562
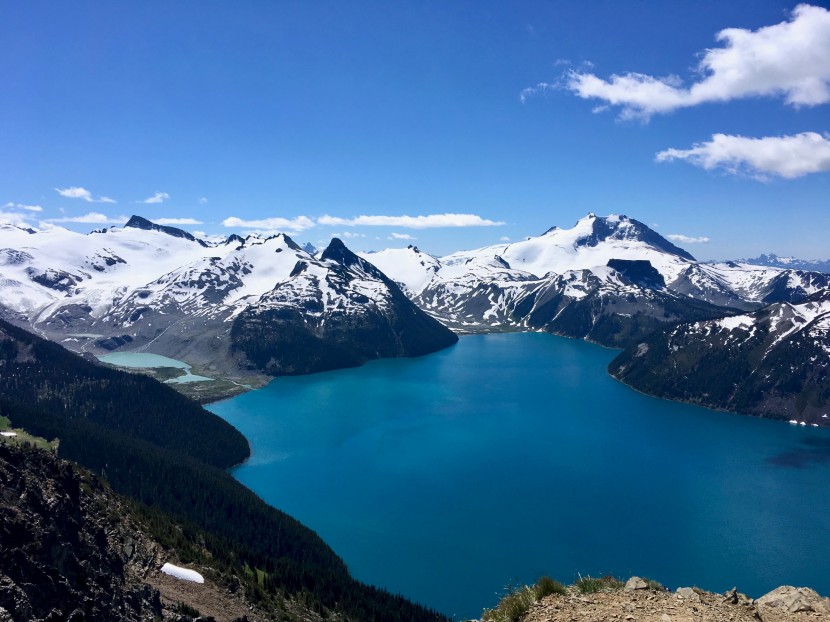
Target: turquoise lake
447,477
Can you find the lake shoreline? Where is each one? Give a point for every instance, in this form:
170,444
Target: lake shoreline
406,436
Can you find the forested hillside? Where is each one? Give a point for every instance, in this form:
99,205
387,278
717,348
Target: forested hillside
168,454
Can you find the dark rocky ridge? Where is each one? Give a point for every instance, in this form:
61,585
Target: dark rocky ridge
139,222
72,550
773,366
67,551
287,340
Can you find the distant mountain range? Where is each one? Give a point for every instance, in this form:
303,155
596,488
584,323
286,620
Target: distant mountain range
265,305
816,265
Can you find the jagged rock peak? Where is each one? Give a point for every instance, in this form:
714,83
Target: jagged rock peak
289,242
139,222
338,252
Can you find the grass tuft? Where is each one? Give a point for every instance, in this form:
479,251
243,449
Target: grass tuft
546,586
654,585
513,607
591,585
515,604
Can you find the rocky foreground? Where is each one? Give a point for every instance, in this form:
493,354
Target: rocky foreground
640,601
71,552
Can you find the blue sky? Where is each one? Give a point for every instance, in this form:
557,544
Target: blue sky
305,116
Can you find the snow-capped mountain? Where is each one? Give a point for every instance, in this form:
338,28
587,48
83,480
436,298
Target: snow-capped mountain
604,274
774,362
332,312
159,288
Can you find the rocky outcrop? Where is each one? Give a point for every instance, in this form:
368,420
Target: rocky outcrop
66,550
70,551
787,599
651,603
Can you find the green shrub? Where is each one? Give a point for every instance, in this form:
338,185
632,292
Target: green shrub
546,586
590,585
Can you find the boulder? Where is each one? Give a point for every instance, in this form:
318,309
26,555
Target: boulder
688,593
794,599
635,583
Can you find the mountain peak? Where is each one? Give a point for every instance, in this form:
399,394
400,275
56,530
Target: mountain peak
139,222
338,252
621,227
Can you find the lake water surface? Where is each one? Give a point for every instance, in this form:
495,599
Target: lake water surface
146,360
506,457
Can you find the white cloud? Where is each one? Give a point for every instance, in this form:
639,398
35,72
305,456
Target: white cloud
540,88
504,238
300,223
203,200
411,222
15,218
400,236
348,234
77,192
790,60
177,221
92,218
687,239
784,156
158,197
29,208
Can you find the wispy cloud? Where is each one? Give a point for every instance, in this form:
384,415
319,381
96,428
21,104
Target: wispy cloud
412,222
28,208
788,60
177,221
400,236
783,156
542,87
77,192
158,197
203,200
300,223
687,239
91,218
15,218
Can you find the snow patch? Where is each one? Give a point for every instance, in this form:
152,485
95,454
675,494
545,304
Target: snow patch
182,573
737,321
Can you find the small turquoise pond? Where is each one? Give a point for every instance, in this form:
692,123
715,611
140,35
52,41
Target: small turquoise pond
146,360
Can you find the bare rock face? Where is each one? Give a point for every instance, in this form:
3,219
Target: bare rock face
70,551
66,551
